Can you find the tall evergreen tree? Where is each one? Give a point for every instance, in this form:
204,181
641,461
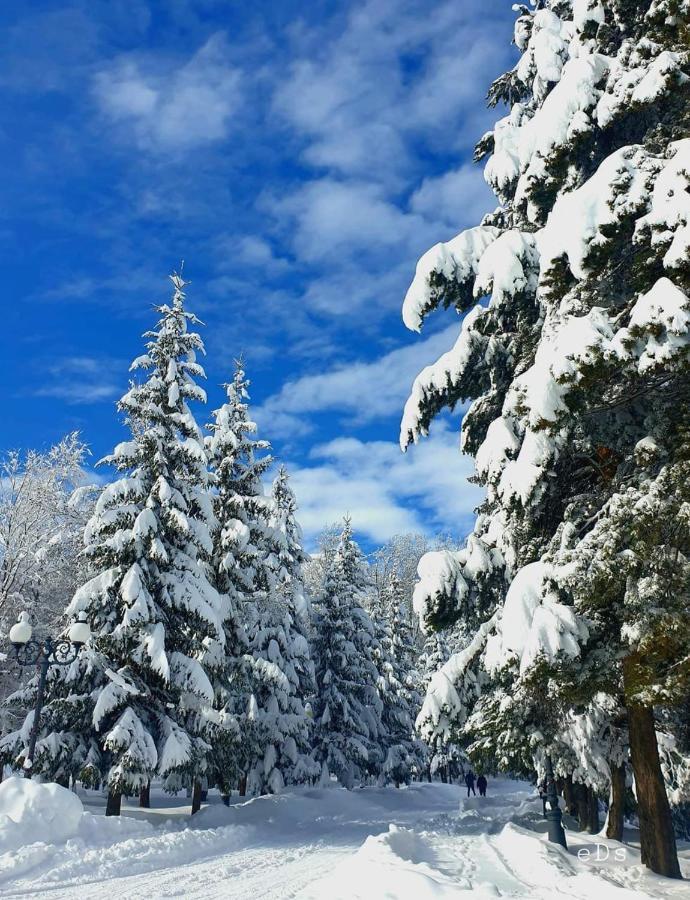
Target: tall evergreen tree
347,706
289,557
136,703
574,367
398,680
257,563
238,460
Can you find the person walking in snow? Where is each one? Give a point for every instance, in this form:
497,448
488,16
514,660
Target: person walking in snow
481,784
469,781
542,795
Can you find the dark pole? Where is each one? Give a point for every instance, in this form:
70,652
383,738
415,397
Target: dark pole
45,663
553,813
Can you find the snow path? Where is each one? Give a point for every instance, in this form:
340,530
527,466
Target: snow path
426,841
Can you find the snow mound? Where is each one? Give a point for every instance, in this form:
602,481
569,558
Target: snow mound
546,868
398,863
31,812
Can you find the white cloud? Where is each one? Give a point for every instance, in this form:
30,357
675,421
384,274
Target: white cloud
343,217
255,251
391,72
384,491
376,103
456,196
176,107
364,391
80,380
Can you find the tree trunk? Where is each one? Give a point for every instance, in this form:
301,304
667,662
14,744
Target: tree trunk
593,825
225,799
196,796
657,839
568,794
614,826
145,796
243,786
581,801
113,804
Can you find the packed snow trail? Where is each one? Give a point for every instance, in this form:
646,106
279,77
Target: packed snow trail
425,841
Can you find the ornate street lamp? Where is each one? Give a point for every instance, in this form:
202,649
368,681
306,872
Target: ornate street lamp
46,653
554,819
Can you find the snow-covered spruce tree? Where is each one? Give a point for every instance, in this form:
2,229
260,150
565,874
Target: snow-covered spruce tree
347,705
288,558
289,554
398,685
575,368
137,702
238,460
256,565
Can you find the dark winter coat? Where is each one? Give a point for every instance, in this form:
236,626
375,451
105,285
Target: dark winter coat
481,783
469,779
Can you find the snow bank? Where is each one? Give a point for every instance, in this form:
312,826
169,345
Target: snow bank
31,812
397,864
547,868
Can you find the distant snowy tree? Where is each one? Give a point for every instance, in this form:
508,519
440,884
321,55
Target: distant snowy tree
574,368
137,702
314,568
347,705
43,509
400,557
44,505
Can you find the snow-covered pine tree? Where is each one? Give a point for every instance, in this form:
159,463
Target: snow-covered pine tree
137,701
398,685
435,653
257,562
347,706
575,367
238,460
289,557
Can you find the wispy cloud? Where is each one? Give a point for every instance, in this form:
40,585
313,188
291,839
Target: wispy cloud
359,391
392,71
171,107
385,492
335,218
80,380
458,195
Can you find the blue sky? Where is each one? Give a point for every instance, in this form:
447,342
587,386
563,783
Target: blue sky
299,157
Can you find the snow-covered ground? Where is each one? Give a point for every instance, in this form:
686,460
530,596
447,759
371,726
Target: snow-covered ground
425,841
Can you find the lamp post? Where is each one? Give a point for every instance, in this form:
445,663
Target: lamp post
554,819
46,653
